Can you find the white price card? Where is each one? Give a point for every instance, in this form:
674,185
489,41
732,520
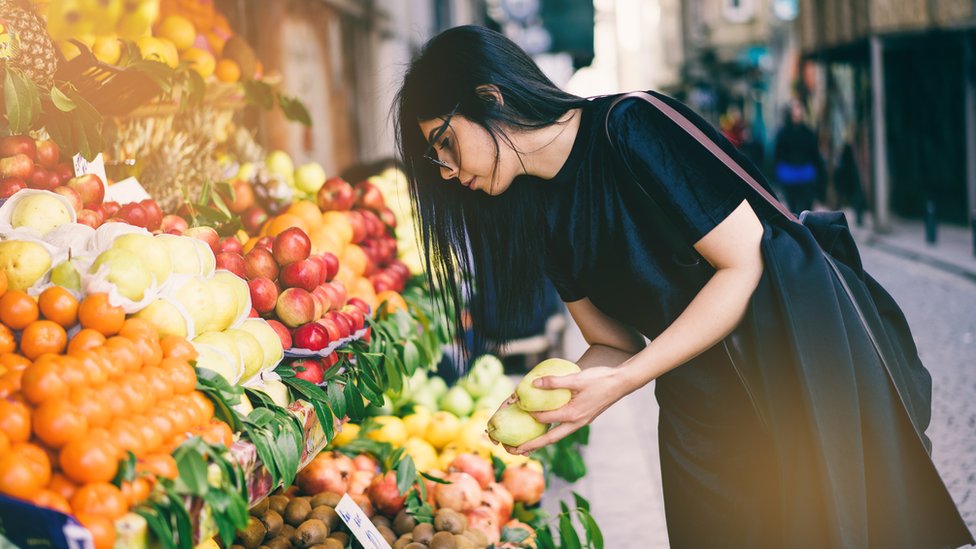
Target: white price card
359,524
126,191
96,166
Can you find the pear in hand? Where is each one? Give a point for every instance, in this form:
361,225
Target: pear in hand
533,399
512,426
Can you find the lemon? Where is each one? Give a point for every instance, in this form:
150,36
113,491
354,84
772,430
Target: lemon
178,30
417,422
349,433
443,429
391,430
201,61
158,49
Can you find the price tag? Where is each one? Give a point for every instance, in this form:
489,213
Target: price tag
126,191
359,524
96,166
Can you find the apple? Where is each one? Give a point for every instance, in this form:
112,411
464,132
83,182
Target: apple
232,262
154,254
324,298
111,208
359,304
311,336
172,222
295,307
309,369
388,217
333,263
126,271
322,265
355,316
204,234
284,334
90,187
260,263
341,322
331,360
309,177
65,172
230,244
91,218
474,465
10,185
72,197
358,226
268,338
369,196
374,227
341,294
24,262
41,213
336,194
305,274
18,165
266,242
243,197
400,269
382,282
264,294
331,328
134,214
280,163
153,212
253,218
41,179
47,153
291,245
18,144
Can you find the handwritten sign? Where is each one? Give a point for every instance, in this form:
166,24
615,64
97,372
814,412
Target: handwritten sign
126,191
359,524
96,166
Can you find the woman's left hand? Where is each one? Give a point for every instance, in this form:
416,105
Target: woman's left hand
594,390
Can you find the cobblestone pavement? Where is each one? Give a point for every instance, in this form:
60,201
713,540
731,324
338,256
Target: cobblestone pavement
624,479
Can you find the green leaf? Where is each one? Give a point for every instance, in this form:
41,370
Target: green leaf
294,110
543,538
260,94
581,502
568,538
264,445
411,357
179,514
406,475
438,480
354,402
593,533
261,417
61,101
288,454
192,469
514,534
20,96
336,400
499,466
157,524
127,469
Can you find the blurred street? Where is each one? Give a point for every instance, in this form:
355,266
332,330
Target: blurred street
624,479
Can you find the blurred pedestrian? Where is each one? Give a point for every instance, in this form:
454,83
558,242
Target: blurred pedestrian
797,160
847,181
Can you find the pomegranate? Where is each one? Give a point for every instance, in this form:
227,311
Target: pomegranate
384,494
365,462
484,519
500,499
322,475
362,500
359,481
476,466
343,462
461,495
524,483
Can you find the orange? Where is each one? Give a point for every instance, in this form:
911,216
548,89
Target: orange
135,491
14,362
93,366
3,282
51,500
37,458
161,465
43,336
158,382
17,477
15,421
177,347
91,407
85,339
111,394
73,371
219,433
127,435
17,309
138,328
355,259
100,498
94,458
178,29
285,221
11,381
59,305
201,61
97,313
308,211
394,301
58,422
151,438
102,529
112,367
339,224
324,239
251,243
42,382
8,343
227,71
149,350
4,443
124,352
182,376
161,421
203,404
363,289
62,486
133,390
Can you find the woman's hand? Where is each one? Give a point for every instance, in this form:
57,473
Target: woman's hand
594,390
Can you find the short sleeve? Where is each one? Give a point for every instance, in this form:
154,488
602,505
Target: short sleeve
559,273
680,174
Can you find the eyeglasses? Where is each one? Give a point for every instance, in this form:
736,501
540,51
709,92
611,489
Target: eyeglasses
429,154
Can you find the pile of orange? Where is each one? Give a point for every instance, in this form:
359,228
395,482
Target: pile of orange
70,409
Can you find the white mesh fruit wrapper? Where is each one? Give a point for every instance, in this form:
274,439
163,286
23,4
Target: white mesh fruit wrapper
106,234
209,352
23,236
97,282
7,210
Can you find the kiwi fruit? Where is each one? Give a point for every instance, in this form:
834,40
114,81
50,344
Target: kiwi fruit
272,523
277,504
286,532
341,537
461,542
326,514
236,547
279,543
403,523
333,543
476,536
387,534
311,532
380,520
423,532
260,508
296,511
443,540
414,545
326,498
403,541
447,520
253,534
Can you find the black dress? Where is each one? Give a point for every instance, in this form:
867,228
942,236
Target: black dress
734,473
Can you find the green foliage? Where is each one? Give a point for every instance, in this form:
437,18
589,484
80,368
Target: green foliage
563,458
568,536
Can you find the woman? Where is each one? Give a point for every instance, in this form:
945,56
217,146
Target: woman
760,438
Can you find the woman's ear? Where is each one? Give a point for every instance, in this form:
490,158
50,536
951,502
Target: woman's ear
490,93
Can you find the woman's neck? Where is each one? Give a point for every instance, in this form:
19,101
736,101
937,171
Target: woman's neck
544,151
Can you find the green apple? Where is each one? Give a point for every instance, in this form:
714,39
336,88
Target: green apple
166,317
457,401
224,309
246,171
126,270
219,361
277,390
437,386
479,381
242,294
279,163
423,397
182,252
533,399
154,254
309,178
194,295
268,338
250,350
24,262
488,366
513,426
66,275
41,212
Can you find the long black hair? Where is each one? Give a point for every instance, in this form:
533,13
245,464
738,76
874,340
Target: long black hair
482,251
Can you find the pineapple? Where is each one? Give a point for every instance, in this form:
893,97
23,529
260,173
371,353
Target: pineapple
29,47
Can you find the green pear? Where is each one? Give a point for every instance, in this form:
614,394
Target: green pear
24,262
126,271
242,294
194,295
513,426
268,338
223,342
166,317
153,253
437,386
251,351
277,390
183,253
66,275
457,401
40,213
224,310
216,360
532,399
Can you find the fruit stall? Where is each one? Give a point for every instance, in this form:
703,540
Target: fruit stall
203,344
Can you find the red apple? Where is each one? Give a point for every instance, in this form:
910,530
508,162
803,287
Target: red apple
284,334
243,196
323,266
90,187
265,242
333,263
18,144
72,197
39,179
369,196
133,214
311,336
264,294
331,328
253,218
309,369
374,227
65,172
335,194
355,316
382,282
476,466
230,244
385,495
206,234
153,212
89,217
324,298
335,298
253,313
18,165
260,263
341,296
295,307
291,245
232,262
401,270
358,226
47,153
388,217
304,274
341,322
10,185
330,360
173,223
